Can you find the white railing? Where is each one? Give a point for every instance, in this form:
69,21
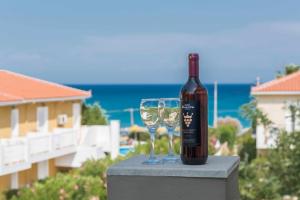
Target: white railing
13,151
19,153
63,138
13,155
105,136
39,143
96,135
35,147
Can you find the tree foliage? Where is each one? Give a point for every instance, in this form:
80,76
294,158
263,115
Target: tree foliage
64,186
285,163
247,147
227,133
255,181
93,115
261,178
288,69
139,136
294,108
274,175
250,112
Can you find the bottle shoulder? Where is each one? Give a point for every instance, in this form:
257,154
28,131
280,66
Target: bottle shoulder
192,87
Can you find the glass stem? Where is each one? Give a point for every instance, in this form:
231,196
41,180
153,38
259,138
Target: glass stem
170,133
152,137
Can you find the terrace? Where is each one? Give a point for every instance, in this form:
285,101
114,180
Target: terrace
70,147
20,152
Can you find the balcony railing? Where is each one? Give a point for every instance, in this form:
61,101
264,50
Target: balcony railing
13,155
64,141
18,153
39,146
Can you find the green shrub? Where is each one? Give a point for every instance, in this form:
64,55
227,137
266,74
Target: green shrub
247,146
64,186
255,182
87,182
94,168
211,149
275,174
9,194
139,136
227,133
262,178
285,162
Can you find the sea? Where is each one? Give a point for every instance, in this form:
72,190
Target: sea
116,99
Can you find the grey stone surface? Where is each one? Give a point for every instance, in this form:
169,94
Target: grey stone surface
132,180
216,167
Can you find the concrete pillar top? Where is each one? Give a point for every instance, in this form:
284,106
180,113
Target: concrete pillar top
216,167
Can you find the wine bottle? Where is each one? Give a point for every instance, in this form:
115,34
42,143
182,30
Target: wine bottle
193,119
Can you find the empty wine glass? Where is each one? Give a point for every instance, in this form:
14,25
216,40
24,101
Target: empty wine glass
169,117
150,117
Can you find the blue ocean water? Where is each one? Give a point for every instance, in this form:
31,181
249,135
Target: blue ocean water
117,98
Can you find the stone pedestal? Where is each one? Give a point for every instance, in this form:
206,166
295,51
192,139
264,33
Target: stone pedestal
216,180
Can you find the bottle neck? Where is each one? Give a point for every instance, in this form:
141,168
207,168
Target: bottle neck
193,69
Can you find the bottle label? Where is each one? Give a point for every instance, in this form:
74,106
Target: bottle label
190,123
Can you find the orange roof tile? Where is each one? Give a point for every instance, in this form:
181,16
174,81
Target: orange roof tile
16,88
286,85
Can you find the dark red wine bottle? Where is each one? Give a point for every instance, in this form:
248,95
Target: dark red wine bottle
193,120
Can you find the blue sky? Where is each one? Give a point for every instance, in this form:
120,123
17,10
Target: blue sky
148,41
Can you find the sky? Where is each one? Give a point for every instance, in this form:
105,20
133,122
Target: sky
134,41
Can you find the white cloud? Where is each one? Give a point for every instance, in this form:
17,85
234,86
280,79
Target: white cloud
234,55
255,49
251,35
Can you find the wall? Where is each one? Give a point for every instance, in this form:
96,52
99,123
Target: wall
4,182
28,176
275,108
5,129
28,115
27,118
52,168
59,108
28,123
106,136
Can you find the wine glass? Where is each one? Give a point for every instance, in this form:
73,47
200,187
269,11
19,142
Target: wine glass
169,116
150,117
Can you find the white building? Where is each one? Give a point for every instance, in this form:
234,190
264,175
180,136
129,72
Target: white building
274,98
40,130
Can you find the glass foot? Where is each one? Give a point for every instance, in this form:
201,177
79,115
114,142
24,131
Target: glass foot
170,159
152,161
